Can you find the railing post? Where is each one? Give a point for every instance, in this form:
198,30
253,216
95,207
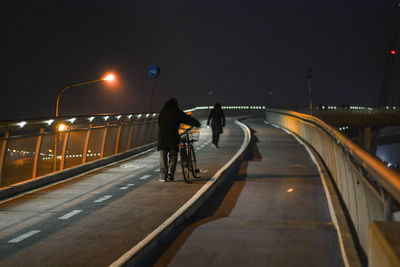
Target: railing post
130,136
388,208
64,149
364,137
3,154
37,153
103,141
118,137
85,147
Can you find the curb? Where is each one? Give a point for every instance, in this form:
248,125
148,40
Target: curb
137,253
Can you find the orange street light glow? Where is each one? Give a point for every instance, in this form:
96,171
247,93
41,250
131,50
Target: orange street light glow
62,127
109,77
290,190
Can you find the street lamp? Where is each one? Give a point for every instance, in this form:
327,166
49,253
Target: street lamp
108,77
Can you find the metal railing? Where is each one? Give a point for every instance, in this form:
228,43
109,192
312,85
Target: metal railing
34,148
369,189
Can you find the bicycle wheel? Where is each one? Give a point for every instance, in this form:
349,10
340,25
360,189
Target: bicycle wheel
193,163
184,164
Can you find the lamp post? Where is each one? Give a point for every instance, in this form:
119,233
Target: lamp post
309,77
109,77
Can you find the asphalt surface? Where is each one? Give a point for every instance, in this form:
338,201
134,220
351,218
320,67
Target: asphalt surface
274,212
93,219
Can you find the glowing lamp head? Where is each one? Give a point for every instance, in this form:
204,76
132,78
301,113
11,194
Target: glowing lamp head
109,77
62,127
393,51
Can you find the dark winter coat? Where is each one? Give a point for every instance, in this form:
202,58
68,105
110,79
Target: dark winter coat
168,126
217,118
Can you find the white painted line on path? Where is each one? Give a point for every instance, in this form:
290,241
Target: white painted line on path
129,185
144,177
24,236
124,187
103,198
69,215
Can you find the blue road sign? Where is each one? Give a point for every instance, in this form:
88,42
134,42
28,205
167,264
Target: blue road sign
153,71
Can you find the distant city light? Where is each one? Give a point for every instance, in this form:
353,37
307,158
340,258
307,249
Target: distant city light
393,51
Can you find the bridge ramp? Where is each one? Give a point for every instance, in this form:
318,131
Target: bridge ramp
273,213
93,219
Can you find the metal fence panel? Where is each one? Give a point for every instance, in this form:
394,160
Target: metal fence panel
19,160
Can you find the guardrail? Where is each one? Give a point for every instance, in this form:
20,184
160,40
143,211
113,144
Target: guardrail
369,189
34,148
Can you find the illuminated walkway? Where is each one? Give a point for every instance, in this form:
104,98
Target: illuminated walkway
95,218
273,213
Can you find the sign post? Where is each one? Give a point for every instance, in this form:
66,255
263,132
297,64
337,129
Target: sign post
153,71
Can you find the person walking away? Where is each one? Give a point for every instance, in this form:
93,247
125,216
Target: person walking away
169,121
217,118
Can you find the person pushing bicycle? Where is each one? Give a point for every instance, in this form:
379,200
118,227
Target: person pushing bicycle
169,120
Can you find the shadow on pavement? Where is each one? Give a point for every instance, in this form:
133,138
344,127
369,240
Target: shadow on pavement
220,205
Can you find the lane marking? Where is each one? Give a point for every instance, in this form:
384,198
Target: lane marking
69,215
103,198
24,236
124,187
130,185
144,177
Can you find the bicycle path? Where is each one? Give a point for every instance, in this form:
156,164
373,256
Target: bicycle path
93,219
273,213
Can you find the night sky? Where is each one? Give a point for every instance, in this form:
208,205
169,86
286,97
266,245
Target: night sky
239,50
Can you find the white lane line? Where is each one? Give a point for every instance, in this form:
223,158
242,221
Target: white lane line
69,215
144,177
103,198
24,236
124,187
129,185
198,148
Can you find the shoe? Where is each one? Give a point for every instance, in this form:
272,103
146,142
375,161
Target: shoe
163,180
213,145
170,177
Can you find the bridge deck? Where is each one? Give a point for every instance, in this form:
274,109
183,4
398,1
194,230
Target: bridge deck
273,213
94,219
253,220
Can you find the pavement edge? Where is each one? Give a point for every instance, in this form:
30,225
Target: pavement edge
140,250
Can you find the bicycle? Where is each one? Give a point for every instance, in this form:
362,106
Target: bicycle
187,154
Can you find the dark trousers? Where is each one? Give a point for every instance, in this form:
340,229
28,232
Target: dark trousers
215,137
168,160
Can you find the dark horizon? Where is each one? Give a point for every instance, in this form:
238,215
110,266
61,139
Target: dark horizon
240,50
